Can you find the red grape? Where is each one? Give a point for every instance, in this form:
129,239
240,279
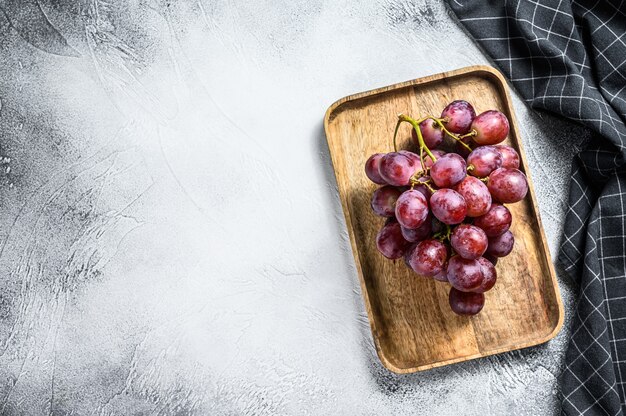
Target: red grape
491,127
397,168
460,115
507,185
414,157
469,241
510,158
431,133
501,245
418,234
448,170
465,275
484,159
428,258
390,242
466,303
448,206
371,169
496,221
489,276
428,162
384,200
411,209
476,195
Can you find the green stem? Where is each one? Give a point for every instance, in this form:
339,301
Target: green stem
455,137
440,122
395,134
415,179
470,134
420,139
430,188
444,234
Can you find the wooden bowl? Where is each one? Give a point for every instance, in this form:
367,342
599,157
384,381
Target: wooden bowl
412,324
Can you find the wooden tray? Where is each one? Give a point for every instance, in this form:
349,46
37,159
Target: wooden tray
412,324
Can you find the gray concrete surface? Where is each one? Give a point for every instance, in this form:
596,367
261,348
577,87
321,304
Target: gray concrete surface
171,237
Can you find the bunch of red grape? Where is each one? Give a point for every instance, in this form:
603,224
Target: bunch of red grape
445,209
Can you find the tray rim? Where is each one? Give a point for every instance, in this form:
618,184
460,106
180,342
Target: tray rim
504,90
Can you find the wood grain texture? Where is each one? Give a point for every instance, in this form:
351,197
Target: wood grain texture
412,325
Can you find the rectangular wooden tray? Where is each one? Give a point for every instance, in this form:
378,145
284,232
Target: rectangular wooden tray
412,324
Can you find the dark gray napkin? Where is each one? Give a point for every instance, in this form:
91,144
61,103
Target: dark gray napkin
569,58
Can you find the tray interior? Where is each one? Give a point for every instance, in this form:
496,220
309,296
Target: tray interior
412,324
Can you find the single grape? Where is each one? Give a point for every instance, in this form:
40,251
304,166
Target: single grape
411,209
428,162
501,245
491,127
448,206
465,275
492,259
390,242
418,234
489,275
469,241
448,170
429,257
484,159
397,168
371,169
510,158
431,133
414,157
384,200
460,115
466,303
496,221
476,195
507,185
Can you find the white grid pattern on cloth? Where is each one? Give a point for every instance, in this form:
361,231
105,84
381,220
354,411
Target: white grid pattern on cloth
569,58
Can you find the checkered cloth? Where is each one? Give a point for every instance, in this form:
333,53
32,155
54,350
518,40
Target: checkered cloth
569,58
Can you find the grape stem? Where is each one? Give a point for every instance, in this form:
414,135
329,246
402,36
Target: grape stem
395,134
430,188
441,123
470,134
444,234
415,181
416,127
459,139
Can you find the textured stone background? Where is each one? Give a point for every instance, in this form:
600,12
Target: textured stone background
171,240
